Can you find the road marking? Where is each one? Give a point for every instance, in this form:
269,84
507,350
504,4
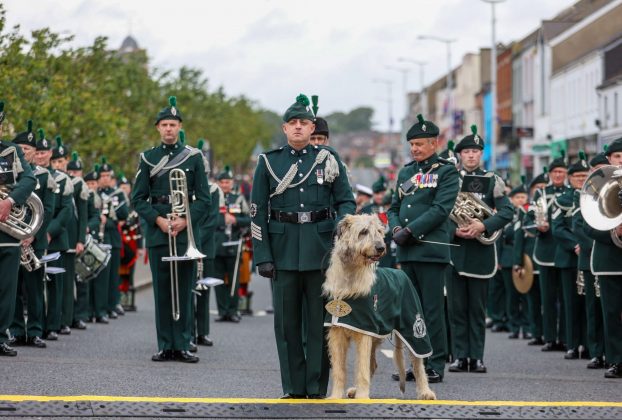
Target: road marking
76,398
387,353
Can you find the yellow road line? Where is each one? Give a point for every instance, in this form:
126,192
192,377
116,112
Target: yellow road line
75,398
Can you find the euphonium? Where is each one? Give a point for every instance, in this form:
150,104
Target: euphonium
180,207
599,202
24,220
28,259
541,209
469,207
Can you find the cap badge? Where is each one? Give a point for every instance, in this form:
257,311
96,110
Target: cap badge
30,136
476,139
423,127
173,111
61,150
44,142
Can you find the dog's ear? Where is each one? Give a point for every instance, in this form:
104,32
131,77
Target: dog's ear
344,225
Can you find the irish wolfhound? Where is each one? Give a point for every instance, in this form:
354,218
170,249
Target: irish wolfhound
368,304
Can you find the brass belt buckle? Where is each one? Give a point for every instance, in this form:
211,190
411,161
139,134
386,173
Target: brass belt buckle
304,217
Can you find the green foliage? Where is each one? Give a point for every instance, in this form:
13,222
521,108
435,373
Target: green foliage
359,119
105,103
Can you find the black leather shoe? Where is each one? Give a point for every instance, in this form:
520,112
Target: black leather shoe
102,319
527,336
513,336
571,354
163,356
410,376
614,372
129,308
222,318
235,318
499,328
17,340
192,347
79,325
37,342
65,330
433,376
550,346
185,356
6,350
204,340
537,341
596,363
560,346
90,319
112,315
459,365
119,310
51,336
477,366
293,396
316,397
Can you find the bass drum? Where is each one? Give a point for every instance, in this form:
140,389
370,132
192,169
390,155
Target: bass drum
92,260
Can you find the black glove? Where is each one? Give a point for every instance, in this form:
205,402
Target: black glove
404,237
266,270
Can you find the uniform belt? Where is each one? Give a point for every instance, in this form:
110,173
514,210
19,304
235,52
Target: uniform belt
165,199
300,216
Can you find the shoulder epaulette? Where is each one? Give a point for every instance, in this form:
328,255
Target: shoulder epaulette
410,163
444,161
273,150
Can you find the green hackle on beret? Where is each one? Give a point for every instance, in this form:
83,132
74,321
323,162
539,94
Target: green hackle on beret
201,144
299,110
422,129
59,141
450,145
182,136
420,119
605,148
96,167
172,101
314,100
41,133
29,126
1,106
302,100
523,179
74,156
474,129
104,160
545,170
582,155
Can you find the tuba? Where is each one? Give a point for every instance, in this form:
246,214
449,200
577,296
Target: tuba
180,206
24,220
599,202
468,207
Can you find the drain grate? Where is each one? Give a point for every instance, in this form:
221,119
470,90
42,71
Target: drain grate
120,409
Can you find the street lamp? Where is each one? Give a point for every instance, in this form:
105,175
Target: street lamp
389,85
493,87
422,96
450,109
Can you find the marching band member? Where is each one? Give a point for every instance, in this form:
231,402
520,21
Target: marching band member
16,176
152,200
30,332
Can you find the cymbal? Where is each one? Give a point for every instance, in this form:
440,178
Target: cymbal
523,279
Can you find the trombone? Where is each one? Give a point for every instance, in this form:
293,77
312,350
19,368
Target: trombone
180,207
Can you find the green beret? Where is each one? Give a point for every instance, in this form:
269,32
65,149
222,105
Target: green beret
1,111
615,146
472,141
123,179
601,158
93,175
299,110
543,178
75,164
449,153
226,173
171,112
26,137
321,126
380,185
43,143
60,151
520,189
422,129
105,166
580,165
559,162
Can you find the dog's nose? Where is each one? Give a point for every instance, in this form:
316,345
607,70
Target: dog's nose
380,248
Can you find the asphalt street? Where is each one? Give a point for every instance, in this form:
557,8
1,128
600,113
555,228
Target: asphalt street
115,359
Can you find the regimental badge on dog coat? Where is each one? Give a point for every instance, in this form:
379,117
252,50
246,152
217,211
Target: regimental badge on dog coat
392,307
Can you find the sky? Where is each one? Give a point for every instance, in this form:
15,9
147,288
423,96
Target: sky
345,51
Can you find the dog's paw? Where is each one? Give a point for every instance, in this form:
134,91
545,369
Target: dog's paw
427,395
351,392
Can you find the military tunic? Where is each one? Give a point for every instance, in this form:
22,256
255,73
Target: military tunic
226,256
426,194
151,199
12,159
474,264
31,282
295,194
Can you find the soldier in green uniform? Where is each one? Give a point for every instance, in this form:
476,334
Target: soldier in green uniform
544,255
427,189
474,262
320,135
524,241
30,289
376,206
152,200
606,264
76,233
232,219
208,247
566,255
98,287
515,302
115,209
593,308
57,237
86,214
296,190
15,175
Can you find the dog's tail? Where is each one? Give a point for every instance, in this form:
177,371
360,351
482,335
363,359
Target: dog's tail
398,359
